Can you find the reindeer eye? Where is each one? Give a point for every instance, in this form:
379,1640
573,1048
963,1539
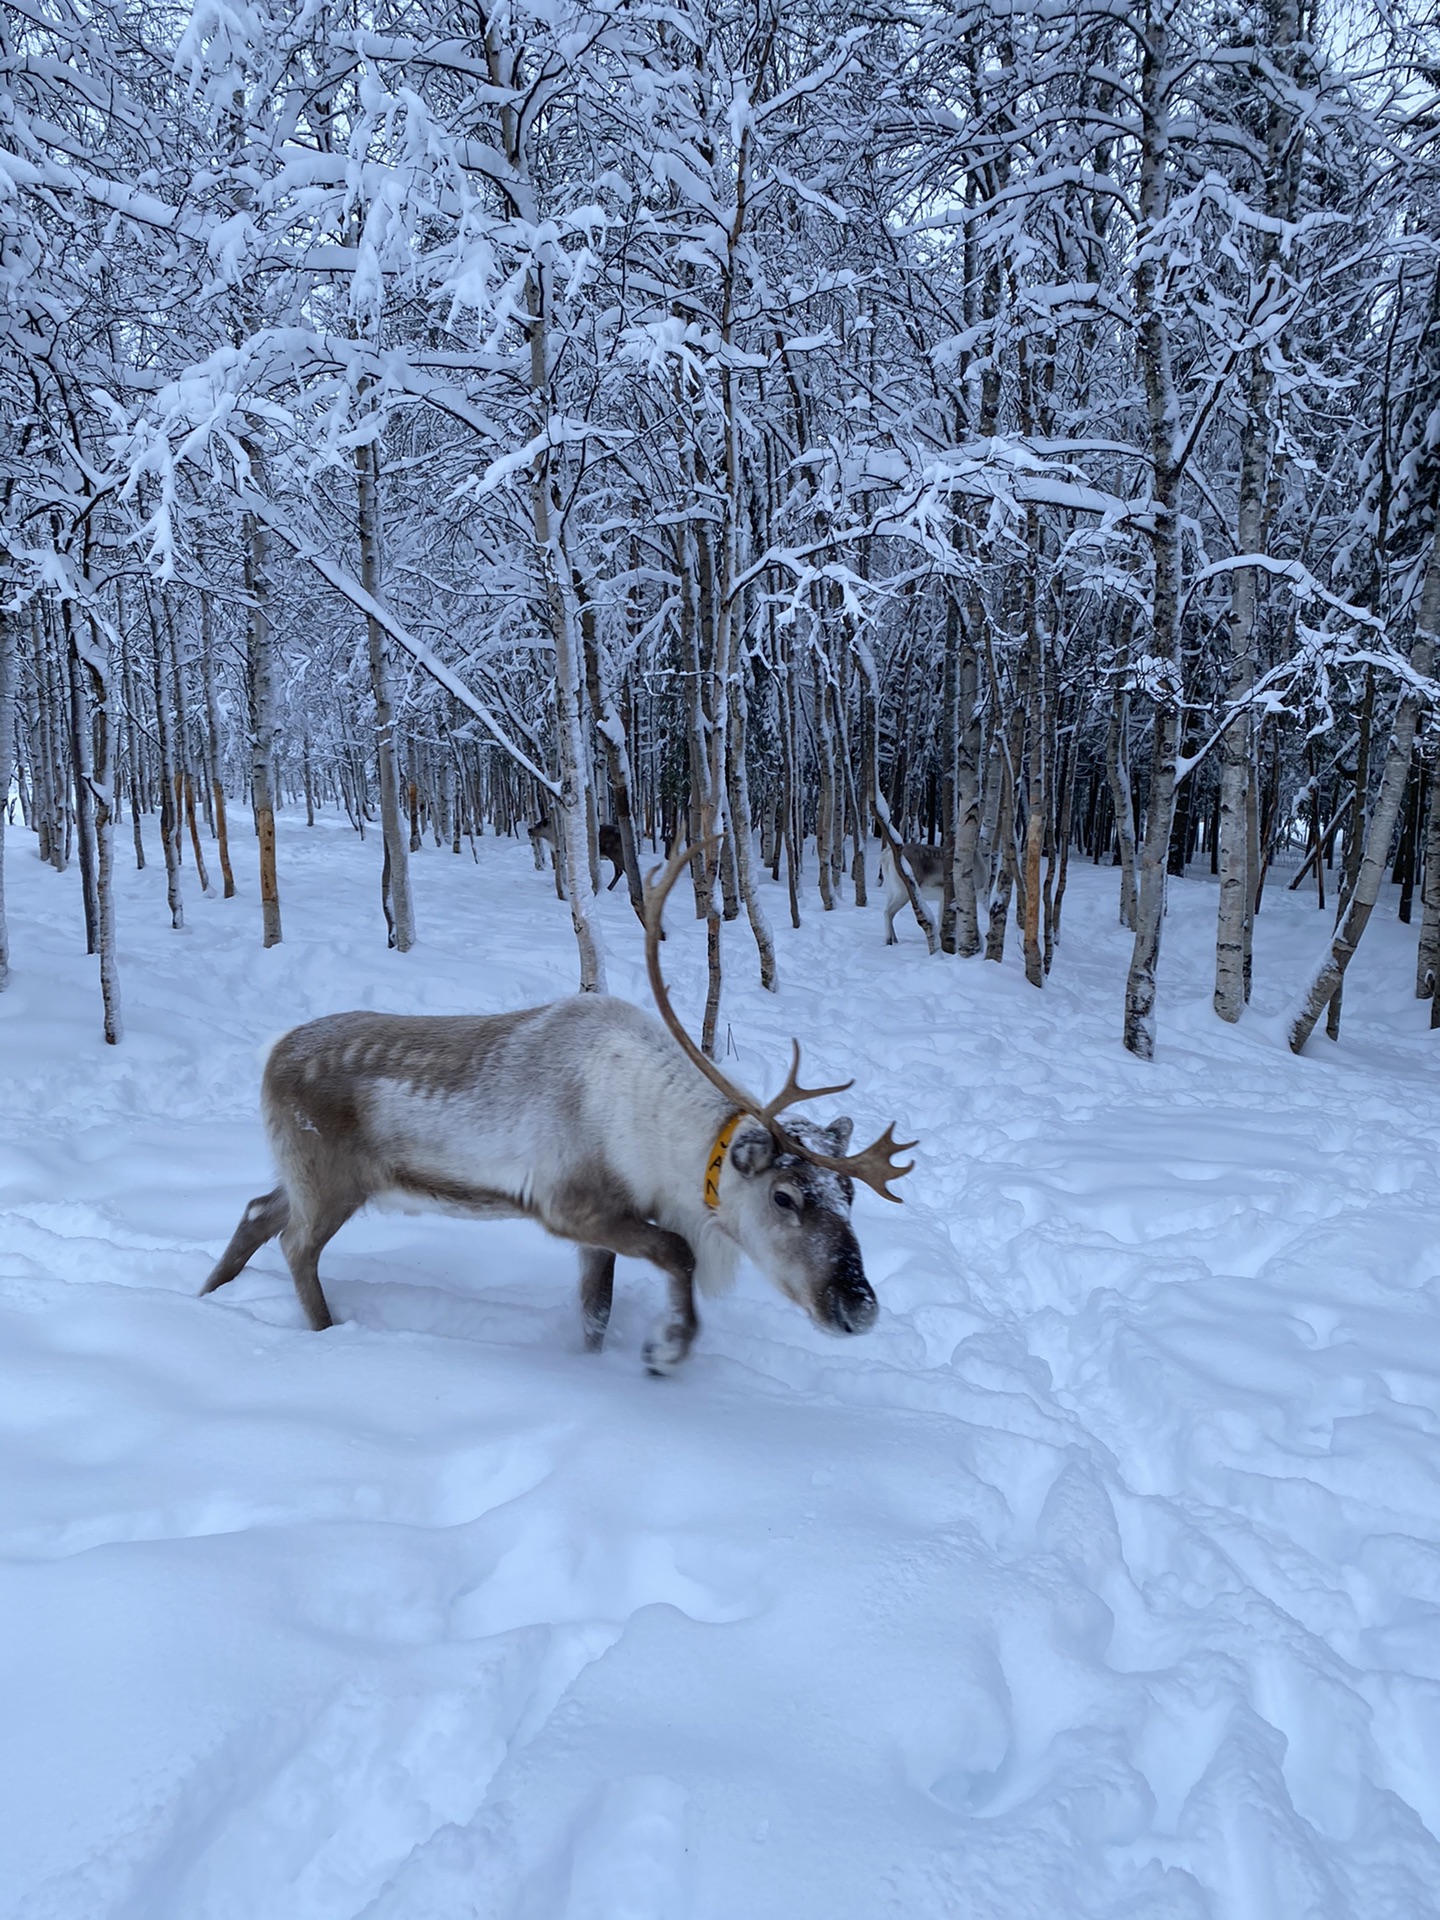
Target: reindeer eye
785,1199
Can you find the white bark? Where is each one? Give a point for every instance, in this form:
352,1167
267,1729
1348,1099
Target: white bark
504,63
1235,919
967,791
1331,971
1162,407
1236,913
100,665
263,723
8,665
395,881
1427,958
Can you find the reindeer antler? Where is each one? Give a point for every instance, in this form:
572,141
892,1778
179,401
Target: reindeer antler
876,1164
792,1093
656,892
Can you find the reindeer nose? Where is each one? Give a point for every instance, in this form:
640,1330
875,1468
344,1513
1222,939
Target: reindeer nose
850,1308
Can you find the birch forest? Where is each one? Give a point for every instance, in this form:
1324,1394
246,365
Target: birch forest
1009,427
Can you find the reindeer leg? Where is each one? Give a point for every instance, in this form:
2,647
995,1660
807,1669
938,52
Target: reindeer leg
675,1332
598,1229
261,1221
597,1289
303,1242
673,1338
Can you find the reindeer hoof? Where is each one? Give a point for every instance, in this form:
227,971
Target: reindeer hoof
663,1354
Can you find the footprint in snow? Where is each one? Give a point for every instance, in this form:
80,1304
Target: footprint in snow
628,1853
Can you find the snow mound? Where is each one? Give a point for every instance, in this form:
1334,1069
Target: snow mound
1101,1579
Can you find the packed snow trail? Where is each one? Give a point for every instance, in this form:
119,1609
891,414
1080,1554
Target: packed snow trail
1101,1579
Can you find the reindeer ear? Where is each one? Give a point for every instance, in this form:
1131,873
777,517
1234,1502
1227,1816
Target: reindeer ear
838,1134
752,1150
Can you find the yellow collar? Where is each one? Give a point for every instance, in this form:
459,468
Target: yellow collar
717,1159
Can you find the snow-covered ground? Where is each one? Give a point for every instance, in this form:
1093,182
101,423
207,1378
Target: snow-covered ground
1102,1578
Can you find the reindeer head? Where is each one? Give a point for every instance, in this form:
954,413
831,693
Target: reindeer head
785,1192
792,1216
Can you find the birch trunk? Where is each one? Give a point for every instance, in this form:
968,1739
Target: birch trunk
614,744
1005,878
949,738
857,834
1427,959
1235,917
395,867
728,771
737,803
967,795
707,748
1162,408
169,812
1354,830
185,797
985,847
825,776
133,753
1235,922
1407,853
1009,876
504,64
1139,1030
82,775
871,682
212,729
1331,972
574,834
1117,772
9,660
263,726
99,662
1060,847
1035,795
48,802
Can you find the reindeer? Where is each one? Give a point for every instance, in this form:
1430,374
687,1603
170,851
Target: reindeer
585,1115
611,846
927,869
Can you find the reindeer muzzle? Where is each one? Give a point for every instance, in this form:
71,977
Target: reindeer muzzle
849,1309
847,1304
